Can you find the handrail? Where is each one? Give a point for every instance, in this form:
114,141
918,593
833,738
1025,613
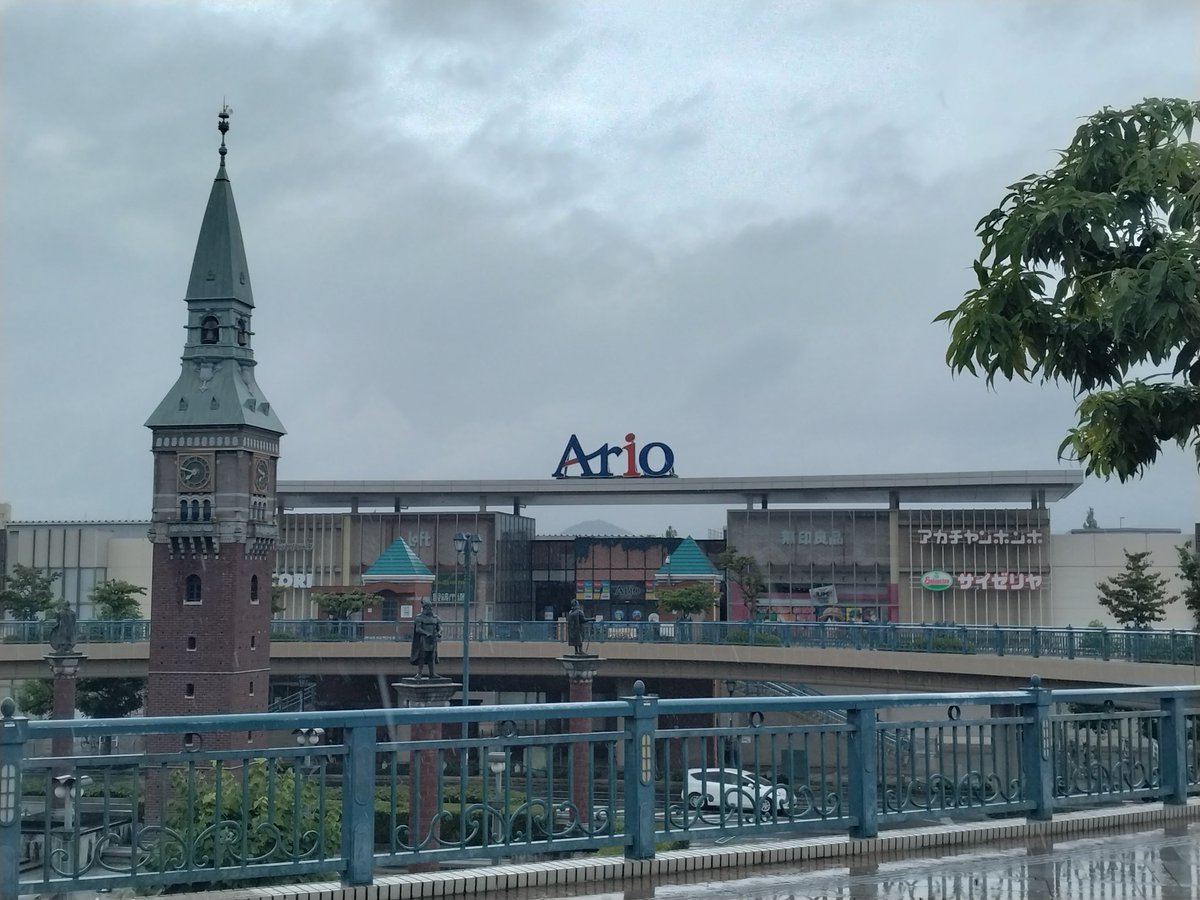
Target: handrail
356,792
1068,642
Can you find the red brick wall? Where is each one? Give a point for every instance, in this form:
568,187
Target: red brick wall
223,665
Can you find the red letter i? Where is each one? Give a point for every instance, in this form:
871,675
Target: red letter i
631,470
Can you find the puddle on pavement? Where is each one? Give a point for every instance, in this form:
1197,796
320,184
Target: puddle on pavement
1153,864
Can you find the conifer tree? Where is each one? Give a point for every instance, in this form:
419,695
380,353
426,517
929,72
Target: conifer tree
1136,596
1189,573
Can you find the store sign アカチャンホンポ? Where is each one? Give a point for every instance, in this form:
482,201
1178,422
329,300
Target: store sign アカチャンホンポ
654,460
971,537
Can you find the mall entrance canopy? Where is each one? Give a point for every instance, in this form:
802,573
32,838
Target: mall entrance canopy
1037,488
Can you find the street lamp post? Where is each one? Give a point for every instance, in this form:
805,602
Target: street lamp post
467,544
730,753
308,737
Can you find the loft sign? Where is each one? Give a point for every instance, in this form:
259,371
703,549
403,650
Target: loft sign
654,460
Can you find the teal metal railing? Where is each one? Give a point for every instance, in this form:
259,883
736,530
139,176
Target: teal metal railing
244,799
1149,646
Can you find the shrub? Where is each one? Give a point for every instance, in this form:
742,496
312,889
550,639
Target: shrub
758,636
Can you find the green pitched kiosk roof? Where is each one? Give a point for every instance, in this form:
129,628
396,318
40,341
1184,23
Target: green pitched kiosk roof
398,563
687,563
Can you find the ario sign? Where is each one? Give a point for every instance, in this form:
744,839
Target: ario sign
937,580
654,460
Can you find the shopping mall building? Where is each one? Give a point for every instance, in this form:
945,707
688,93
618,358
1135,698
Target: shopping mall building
964,547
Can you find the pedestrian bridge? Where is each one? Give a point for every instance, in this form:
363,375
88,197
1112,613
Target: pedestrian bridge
352,795
832,657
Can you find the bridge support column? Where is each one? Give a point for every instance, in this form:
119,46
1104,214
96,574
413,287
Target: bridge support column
581,672
64,667
14,732
425,693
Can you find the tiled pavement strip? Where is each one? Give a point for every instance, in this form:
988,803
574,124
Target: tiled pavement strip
611,872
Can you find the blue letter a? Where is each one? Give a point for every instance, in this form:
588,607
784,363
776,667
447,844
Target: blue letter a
574,456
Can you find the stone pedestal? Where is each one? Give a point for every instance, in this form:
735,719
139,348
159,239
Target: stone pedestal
64,667
424,693
581,672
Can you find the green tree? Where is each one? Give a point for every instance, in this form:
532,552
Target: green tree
117,599
29,592
342,606
278,599
110,698
35,697
113,698
96,698
1136,596
1088,272
688,598
744,572
1189,574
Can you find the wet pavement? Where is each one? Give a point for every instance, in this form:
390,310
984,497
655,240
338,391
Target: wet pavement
1152,864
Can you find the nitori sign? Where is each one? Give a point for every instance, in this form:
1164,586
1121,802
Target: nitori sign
654,460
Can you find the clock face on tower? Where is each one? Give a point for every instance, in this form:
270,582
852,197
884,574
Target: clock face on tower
262,476
195,472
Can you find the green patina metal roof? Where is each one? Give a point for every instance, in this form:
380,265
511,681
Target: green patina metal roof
219,270
398,563
217,385
687,562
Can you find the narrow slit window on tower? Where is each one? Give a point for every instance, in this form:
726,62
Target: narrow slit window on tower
191,643
210,330
253,588
243,333
253,641
191,589
189,690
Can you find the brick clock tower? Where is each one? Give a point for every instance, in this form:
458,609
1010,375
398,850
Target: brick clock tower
216,445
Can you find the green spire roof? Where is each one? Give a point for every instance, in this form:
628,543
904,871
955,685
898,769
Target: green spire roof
219,270
687,563
217,384
398,563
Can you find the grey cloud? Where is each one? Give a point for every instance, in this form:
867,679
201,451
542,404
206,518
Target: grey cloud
455,304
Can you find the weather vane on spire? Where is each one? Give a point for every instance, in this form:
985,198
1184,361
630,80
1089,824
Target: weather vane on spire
223,126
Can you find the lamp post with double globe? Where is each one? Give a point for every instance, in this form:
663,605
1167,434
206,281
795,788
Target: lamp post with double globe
467,544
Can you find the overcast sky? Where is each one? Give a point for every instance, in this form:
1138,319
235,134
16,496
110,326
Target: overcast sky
475,228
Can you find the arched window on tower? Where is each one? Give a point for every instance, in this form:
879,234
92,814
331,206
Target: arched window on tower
191,589
243,333
207,510
253,588
210,330
195,510
183,510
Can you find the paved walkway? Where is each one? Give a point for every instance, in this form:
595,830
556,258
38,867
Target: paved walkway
1158,864
1076,856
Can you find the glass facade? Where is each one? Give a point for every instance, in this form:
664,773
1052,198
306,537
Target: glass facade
816,563
334,549
77,553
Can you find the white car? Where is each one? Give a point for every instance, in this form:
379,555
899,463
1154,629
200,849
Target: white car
733,789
